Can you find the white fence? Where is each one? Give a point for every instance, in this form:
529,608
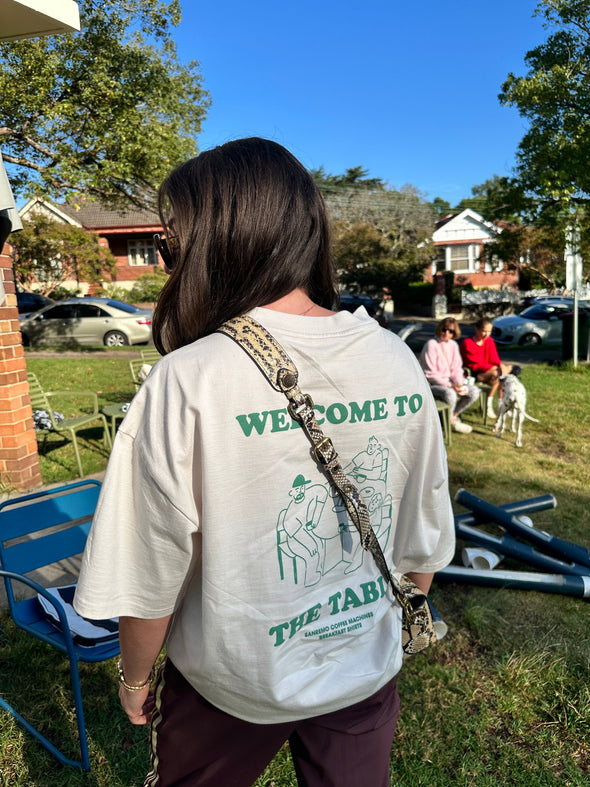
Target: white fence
488,302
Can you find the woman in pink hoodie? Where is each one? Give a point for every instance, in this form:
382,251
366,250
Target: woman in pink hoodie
443,366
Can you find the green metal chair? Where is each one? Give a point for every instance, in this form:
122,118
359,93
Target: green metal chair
135,365
149,355
41,400
484,391
444,413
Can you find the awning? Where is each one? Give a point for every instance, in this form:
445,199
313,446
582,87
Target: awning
31,18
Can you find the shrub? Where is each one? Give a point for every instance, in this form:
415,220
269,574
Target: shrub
109,290
148,286
64,292
421,292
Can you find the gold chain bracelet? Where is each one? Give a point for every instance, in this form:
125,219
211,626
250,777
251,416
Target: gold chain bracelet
129,686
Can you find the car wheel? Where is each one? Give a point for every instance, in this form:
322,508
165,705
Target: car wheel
530,339
115,339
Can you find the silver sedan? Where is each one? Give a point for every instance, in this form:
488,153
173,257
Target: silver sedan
541,323
87,321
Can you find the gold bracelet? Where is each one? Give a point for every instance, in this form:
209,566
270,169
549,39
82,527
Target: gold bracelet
129,686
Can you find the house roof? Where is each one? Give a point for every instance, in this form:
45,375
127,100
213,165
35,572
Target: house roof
465,226
94,216
441,222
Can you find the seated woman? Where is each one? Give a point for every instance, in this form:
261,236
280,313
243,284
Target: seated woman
481,357
441,361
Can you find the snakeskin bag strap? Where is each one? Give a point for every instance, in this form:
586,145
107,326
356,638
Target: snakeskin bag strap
281,372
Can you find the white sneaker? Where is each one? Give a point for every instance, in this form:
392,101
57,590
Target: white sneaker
458,426
491,412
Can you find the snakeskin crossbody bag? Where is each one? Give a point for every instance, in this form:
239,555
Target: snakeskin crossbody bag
278,368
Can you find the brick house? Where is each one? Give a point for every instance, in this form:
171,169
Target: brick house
127,233
459,242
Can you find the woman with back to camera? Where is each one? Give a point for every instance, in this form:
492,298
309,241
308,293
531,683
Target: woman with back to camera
480,356
218,535
441,361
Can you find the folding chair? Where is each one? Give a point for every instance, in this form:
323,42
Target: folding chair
149,355
444,413
484,392
40,400
37,531
139,369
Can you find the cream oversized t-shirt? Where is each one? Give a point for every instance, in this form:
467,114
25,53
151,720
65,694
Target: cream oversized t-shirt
212,508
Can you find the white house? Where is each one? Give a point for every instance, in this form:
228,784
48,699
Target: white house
459,242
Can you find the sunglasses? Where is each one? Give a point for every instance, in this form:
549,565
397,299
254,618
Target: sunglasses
168,249
448,330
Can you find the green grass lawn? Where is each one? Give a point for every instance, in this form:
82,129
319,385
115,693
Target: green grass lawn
504,699
105,374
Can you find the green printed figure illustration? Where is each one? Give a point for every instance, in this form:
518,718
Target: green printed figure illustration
370,464
310,536
369,469
296,525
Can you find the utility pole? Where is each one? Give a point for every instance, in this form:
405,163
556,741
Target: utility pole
573,274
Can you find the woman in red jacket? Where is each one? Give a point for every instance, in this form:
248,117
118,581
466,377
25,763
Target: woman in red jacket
481,357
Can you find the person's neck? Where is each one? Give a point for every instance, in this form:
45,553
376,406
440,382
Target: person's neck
298,302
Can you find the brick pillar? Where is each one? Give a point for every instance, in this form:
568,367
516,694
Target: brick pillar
19,460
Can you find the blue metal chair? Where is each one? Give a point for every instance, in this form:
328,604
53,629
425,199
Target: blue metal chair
36,531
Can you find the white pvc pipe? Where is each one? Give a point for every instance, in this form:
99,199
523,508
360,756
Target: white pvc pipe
480,558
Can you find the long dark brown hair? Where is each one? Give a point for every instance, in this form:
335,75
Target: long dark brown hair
251,226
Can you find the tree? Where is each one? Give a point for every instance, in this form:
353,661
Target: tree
552,158
500,199
554,96
530,231
381,237
107,111
354,178
536,251
47,253
441,208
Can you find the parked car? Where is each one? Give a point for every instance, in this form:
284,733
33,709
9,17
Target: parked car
29,302
350,303
531,300
88,321
541,323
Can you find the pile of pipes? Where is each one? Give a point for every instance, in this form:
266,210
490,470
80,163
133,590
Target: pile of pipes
565,565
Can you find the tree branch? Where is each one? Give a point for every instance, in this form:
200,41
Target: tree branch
22,162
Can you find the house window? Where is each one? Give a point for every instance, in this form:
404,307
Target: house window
440,263
141,252
459,258
49,272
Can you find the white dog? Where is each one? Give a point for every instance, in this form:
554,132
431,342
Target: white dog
513,399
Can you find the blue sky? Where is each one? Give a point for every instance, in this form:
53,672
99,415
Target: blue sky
407,90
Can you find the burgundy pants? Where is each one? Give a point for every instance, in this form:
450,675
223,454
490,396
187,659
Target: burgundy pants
194,744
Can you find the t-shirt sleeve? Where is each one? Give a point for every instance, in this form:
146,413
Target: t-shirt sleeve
425,532
145,536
